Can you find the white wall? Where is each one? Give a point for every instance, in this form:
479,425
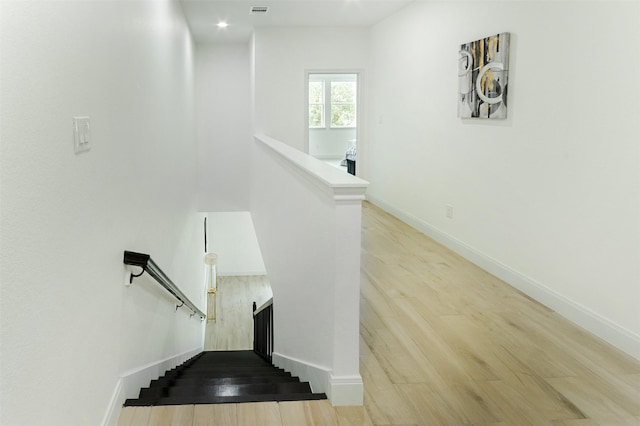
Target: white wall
548,198
232,237
281,57
330,143
307,216
223,126
70,328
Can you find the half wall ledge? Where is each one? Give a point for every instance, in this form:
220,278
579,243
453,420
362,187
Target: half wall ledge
343,186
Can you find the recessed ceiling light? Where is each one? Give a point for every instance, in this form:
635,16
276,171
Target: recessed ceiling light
222,24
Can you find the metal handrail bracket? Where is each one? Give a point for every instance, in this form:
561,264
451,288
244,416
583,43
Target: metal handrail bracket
147,264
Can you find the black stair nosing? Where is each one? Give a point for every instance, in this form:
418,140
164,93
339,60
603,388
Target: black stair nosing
256,370
223,380
223,400
215,370
223,357
217,357
242,398
232,356
213,375
244,385
231,368
231,352
214,365
229,364
248,384
231,373
210,366
226,390
233,380
244,389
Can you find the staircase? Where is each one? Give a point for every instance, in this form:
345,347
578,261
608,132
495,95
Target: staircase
222,377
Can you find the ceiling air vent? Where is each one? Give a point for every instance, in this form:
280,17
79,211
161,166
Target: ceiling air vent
259,10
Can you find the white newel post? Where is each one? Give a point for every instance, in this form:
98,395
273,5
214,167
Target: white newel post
346,383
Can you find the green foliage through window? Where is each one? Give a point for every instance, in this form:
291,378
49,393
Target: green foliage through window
340,98
343,104
316,104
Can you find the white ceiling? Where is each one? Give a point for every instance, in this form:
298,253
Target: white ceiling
203,15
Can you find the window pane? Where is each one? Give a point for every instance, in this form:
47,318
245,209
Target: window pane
343,92
316,89
343,115
315,116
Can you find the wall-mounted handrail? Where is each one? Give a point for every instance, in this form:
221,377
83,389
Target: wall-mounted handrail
147,264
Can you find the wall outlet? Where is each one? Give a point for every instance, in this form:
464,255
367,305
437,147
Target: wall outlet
449,211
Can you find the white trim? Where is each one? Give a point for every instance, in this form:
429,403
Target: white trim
241,273
346,390
115,405
130,382
341,390
602,327
318,377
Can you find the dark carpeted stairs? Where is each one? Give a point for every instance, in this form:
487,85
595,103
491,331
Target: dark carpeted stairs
223,377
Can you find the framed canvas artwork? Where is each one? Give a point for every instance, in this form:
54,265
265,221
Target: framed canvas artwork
483,69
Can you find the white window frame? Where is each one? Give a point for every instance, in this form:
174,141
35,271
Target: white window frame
323,125
326,116
360,105
331,103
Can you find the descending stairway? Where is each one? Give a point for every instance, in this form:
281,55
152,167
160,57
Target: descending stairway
222,377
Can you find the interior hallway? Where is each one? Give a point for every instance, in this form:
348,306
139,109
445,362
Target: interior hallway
445,343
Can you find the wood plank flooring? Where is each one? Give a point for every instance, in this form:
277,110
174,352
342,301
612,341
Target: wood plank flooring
311,413
445,343
233,328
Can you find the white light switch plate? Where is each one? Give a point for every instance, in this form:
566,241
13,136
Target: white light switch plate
81,134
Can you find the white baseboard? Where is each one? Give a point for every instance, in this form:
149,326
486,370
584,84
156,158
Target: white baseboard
346,390
341,390
317,376
130,383
604,328
240,273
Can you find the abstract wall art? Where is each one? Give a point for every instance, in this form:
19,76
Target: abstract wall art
483,68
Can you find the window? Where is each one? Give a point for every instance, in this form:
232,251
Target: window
316,104
343,104
333,98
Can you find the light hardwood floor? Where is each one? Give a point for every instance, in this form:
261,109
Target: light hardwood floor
233,328
445,343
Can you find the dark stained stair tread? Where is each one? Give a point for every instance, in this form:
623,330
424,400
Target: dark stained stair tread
224,377
189,400
222,374
228,390
233,380
246,389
